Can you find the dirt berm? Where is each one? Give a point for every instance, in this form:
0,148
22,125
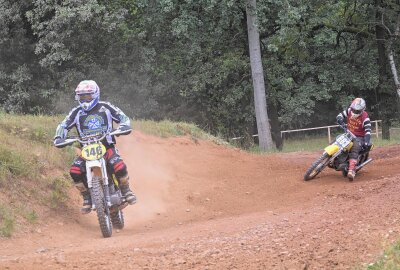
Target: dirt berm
206,206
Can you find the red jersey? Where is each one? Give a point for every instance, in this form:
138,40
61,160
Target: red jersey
359,126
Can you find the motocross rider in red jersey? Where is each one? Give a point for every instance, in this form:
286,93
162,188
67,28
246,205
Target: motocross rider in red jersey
93,117
356,119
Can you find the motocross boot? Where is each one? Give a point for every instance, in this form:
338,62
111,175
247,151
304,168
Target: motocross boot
87,200
352,169
130,197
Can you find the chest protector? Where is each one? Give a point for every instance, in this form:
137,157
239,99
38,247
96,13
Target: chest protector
356,125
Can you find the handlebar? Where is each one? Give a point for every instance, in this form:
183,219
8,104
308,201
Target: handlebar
86,139
348,131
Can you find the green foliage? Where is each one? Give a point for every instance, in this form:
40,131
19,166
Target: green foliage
27,157
31,216
167,129
12,164
188,60
7,221
36,128
59,191
24,85
389,261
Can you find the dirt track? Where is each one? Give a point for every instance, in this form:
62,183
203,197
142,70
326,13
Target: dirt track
204,206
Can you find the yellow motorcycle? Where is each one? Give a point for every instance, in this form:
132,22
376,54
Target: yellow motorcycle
336,156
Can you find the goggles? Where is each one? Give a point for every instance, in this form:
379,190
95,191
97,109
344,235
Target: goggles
84,97
356,111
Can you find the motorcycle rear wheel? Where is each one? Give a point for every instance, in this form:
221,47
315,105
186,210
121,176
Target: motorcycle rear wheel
317,167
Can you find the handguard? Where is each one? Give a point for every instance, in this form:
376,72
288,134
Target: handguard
122,131
60,143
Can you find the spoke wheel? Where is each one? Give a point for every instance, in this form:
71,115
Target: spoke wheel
317,167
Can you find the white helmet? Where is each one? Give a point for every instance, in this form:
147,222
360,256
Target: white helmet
87,93
357,107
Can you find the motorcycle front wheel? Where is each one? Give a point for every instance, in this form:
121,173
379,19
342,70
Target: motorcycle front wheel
317,167
103,213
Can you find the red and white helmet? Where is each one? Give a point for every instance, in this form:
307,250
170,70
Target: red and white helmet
357,107
87,93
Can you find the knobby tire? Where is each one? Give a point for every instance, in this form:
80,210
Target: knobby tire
317,167
99,201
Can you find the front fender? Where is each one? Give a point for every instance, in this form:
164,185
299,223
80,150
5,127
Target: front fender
332,149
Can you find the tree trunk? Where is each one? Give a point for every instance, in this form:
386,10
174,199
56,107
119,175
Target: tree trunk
394,72
260,103
275,125
384,97
392,63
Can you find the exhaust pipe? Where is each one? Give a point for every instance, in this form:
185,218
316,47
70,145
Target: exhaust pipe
363,164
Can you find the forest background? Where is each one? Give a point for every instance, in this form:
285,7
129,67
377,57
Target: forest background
189,60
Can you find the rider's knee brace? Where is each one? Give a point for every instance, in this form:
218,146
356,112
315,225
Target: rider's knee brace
78,172
117,166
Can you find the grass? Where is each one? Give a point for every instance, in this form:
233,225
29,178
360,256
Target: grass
37,128
31,216
27,156
13,163
389,261
59,191
7,221
168,128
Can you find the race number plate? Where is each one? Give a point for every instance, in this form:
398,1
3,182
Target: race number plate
93,151
343,141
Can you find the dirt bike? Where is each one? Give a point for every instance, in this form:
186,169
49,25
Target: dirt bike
106,196
336,156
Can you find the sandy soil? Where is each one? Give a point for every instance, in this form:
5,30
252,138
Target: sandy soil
205,206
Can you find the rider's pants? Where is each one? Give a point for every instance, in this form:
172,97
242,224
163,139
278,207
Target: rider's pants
356,149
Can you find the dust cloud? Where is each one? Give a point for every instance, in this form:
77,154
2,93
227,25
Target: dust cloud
150,176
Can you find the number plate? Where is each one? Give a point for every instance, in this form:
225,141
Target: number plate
343,141
93,151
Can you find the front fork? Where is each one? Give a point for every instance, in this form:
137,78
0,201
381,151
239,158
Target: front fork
98,168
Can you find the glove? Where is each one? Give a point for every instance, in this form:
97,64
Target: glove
341,123
367,142
366,146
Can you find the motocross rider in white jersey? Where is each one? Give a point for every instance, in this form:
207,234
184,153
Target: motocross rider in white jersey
93,117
